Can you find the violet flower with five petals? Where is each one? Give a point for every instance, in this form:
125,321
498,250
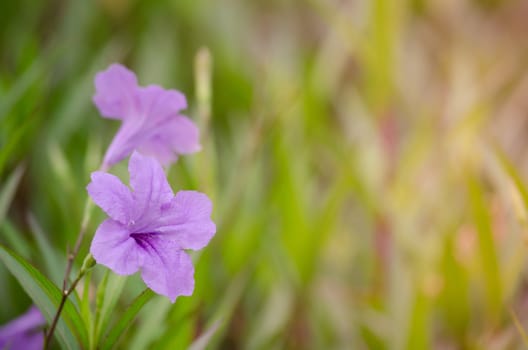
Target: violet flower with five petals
151,120
25,332
149,227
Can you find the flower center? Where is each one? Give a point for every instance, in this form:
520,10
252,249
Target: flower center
143,239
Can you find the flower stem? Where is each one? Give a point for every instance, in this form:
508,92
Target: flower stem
66,291
88,263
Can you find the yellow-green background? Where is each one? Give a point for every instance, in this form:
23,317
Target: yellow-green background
366,158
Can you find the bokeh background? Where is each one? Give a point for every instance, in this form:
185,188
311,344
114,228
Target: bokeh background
366,158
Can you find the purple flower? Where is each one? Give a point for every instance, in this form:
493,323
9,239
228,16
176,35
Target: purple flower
149,227
25,332
151,118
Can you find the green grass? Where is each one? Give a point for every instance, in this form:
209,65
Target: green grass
366,160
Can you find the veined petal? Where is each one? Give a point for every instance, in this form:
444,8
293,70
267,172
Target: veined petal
185,136
128,137
151,189
111,195
178,135
113,247
187,221
157,104
115,95
150,115
24,332
158,148
167,270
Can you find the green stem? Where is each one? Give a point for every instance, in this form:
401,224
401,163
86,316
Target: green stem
88,263
66,291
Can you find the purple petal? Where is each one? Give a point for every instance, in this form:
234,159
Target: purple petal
115,95
151,120
187,221
179,135
167,270
109,193
184,136
113,247
24,332
151,189
128,137
158,105
158,148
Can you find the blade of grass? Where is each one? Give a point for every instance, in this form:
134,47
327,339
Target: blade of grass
52,261
108,294
8,190
519,327
126,319
418,336
486,247
203,340
15,238
47,297
516,180
15,138
154,324
20,87
86,311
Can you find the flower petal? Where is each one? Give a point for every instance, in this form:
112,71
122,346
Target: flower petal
158,147
151,189
113,247
179,135
23,332
111,195
167,270
184,136
188,220
115,95
128,137
151,120
33,340
157,104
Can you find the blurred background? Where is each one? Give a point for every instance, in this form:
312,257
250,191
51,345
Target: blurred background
367,160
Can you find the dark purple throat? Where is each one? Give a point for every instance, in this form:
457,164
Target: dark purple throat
145,240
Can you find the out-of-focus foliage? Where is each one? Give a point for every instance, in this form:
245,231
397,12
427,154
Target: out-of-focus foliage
366,159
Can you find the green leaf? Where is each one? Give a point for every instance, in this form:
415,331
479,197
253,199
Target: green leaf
486,247
519,327
203,340
13,143
47,297
418,334
15,238
126,319
86,311
99,303
8,190
514,177
22,84
222,317
153,324
53,262
108,294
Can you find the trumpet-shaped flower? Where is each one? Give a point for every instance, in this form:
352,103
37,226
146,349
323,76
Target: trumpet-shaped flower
149,227
25,332
151,119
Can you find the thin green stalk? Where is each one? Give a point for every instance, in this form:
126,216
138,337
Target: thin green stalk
88,263
66,291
